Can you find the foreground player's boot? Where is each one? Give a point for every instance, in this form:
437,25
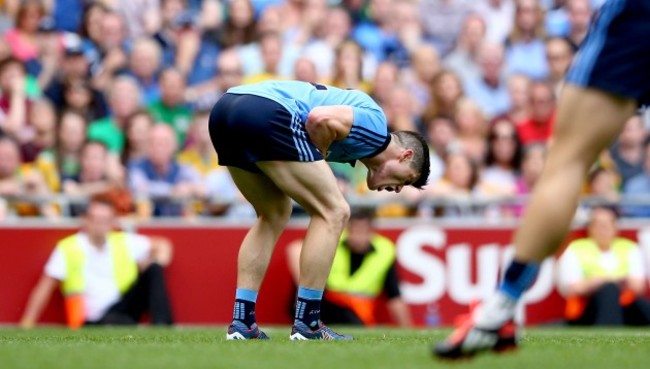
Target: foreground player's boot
489,327
301,332
239,331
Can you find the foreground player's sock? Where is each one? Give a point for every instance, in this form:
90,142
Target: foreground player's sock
519,276
244,310
308,306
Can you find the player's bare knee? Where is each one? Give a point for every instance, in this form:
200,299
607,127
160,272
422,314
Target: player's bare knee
277,215
339,214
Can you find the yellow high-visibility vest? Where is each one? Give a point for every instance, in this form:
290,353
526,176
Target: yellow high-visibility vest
125,269
369,279
589,255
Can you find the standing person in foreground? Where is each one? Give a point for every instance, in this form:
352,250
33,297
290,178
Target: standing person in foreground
608,79
274,138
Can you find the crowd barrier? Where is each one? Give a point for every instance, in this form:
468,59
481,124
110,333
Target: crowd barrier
443,268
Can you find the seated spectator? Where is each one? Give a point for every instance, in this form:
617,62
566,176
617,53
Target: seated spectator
401,111
420,76
364,268
348,67
42,122
525,50
463,59
639,186
386,78
136,130
499,16
144,64
123,100
443,20
23,39
22,180
70,137
456,186
519,93
229,74
539,126
490,90
331,32
502,163
532,163
160,178
446,92
580,14
14,104
559,55
171,108
107,277
112,50
79,96
276,57
94,175
472,129
603,276
305,70
442,135
603,185
628,149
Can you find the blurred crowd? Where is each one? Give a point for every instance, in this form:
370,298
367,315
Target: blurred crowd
115,95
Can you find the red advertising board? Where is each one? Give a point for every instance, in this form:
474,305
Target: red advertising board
442,270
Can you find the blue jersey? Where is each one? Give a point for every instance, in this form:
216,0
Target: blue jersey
369,133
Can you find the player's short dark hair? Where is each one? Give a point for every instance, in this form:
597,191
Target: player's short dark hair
420,162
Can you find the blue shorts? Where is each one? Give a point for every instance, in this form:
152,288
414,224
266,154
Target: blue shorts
246,129
615,55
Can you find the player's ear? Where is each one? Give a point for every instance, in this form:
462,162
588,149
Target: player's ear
406,154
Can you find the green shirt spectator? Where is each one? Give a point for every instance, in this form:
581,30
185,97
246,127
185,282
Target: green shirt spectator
179,117
106,130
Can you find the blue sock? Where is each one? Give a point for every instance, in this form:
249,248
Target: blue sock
244,310
308,306
519,276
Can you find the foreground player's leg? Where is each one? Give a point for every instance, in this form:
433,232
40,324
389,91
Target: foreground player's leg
273,209
313,186
587,121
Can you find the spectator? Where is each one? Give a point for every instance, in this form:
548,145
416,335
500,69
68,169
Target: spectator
171,108
532,164
628,149
539,126
386,79
161,178
14,104
456,185
364,267
107,277
400,111
376,33
559,54
74,66
144,64
229,74
123,100
490,90
463,59
112,50
525,52
603,185
23,39
136,130
42,121
503,161
639,186
519,93
442,135
142,16
271,51
472,129
420,76
94,176
239,28
499,17
409,34
80,97
443,20
70,137
446,92
305,70
335,28
579,12
21,180
348,67
603,276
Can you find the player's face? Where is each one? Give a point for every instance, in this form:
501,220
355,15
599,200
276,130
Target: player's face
392,176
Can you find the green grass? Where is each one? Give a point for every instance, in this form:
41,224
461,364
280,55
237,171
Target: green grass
196,348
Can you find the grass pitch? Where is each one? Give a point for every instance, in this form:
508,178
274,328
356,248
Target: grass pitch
196,348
